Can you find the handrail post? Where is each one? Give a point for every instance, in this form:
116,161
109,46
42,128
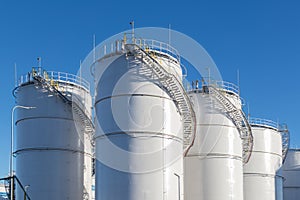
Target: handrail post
160,48
178,182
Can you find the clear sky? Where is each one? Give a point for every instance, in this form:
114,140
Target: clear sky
260,38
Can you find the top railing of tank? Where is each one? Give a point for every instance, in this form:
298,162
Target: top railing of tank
221,85
226,86
263,122
53,76
118,46
161,47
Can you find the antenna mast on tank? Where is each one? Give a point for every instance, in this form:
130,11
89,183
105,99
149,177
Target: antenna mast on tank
94,48
238,81
16,75
80,63
208,78
169,41
132,29
248,111
39,60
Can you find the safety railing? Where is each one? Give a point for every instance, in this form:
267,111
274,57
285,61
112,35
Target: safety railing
225,86
6,192
238,118
184,71
221,85
173,87
187,85
118,46
263,123
109,48
78,108
281,128
58,77
217,89
154,45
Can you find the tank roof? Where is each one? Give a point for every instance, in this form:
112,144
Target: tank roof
263,123
54,78
198,86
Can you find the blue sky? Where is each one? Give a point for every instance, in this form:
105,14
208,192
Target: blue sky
260,38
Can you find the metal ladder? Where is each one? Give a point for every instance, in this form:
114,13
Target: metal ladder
239,120
80,115
173,87
285,135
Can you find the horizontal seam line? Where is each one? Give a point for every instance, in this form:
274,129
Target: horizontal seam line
124,95
29,118
230,126
264,152
262,174
216,155
137,132
50,149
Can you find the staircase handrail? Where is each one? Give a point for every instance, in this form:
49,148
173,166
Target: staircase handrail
134,47
242,125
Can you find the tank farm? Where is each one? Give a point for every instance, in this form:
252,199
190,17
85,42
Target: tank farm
143,132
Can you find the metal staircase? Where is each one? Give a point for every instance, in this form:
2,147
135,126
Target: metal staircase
169,82
285,135
239,120
74,102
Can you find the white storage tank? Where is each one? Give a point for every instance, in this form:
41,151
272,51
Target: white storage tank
214,164
139,128
262,174
291,174
53,145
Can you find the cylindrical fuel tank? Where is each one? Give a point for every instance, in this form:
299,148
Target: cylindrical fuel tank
53,149
262,174
139,136
291,173
214,165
